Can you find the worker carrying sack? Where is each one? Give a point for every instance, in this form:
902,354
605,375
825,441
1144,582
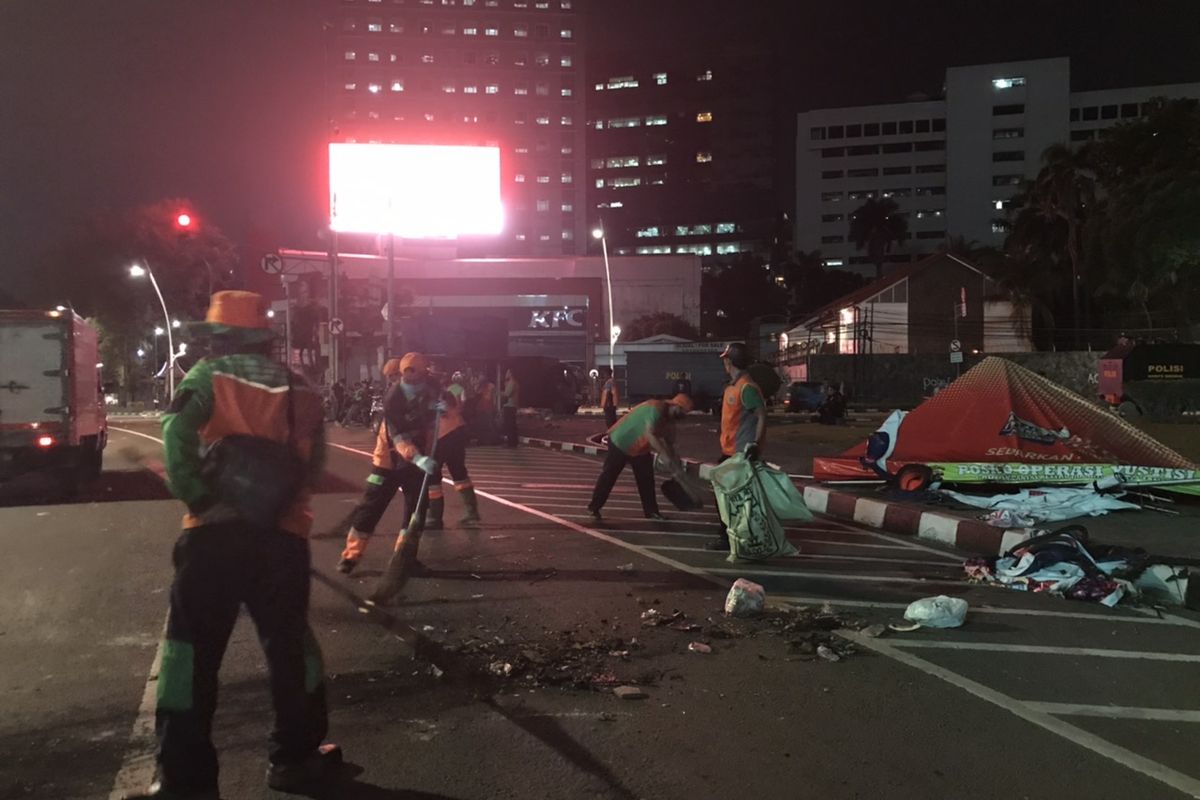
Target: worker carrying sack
754,529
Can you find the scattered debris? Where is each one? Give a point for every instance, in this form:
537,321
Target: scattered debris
745,599
827,653
499,536
904,627
427,628
476,597
625,567
435,671
700,647
875,631
629,693
500,668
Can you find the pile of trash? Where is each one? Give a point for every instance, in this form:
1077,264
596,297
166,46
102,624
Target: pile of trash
1063,562
562,659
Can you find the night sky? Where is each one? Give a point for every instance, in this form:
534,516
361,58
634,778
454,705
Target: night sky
123,102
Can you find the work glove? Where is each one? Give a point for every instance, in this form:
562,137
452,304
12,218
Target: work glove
750,451
427,464
441,406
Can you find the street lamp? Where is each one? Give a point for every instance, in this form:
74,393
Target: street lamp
138,271
613,330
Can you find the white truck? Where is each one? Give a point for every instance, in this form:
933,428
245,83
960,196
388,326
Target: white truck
52,413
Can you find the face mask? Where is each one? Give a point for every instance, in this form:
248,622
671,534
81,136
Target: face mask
410,390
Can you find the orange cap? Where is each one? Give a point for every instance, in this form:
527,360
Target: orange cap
391,367
683,401
414,360
236,309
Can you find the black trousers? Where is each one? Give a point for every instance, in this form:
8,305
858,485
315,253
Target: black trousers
643,474
382,485
610,416
510,425
219,568
452,453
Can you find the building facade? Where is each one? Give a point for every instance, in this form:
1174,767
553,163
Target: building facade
681,154
504,73
951,164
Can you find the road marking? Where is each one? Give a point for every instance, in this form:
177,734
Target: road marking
136,433
1090,741
1091,652
665,522
787,573
1117,712
816,556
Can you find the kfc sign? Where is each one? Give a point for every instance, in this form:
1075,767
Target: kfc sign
556,319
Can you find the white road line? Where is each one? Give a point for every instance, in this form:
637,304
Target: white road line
667,522
136,433
1090,652
1090,741
816,556
1115,616
1117,712
753,569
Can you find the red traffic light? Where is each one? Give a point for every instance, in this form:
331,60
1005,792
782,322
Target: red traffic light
184,220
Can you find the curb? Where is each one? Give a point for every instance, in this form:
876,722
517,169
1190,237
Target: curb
967,535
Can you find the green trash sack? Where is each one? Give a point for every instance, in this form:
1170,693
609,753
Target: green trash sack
785,498
755,531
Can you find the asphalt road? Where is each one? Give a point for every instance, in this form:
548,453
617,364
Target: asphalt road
1035,697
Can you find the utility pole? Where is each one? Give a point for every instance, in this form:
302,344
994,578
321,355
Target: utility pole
391,295
334,341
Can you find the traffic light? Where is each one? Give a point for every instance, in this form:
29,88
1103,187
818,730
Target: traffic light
183,222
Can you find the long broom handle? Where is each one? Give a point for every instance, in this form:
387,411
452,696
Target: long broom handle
423,498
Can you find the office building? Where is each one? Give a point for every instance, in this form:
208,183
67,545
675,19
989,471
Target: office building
505,73
950,164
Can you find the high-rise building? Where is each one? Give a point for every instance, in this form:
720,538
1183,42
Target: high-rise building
681,155
505,73
951,164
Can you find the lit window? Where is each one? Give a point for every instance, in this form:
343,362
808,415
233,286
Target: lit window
520,59
599,87
519,177
695,249
654,250
372,56
703,157
543,205
427,58
374,88
833,262
545,237
428,116
470,118
621,161
565,121
541,89
619,183
396,27
1007,83
739,247
521,89
647,233
521,149
491,30
660,78
565,5
447,29
470,30
393,58
599,183
622,82
705,76
520,237
565,62
350,86
565,33
543,178
491,88
998,226
566,91
655,161
542,59
726,227
449,88
543,120
471,89
375,27
351,55
625,122
659,120
568,235
704,116
568,208
566,150
521,31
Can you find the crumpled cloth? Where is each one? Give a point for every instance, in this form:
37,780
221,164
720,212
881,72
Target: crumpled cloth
1030,506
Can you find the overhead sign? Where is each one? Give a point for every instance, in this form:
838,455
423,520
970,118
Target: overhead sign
272,264
556,319
415,191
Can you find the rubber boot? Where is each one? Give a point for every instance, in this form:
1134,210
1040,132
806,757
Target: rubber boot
471,503
356,543
433,517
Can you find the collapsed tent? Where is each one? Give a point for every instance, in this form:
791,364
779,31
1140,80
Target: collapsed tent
1002,423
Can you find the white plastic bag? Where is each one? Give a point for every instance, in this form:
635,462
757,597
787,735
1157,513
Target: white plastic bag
745,599
937,612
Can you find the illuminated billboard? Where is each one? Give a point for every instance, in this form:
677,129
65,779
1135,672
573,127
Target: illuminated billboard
415,191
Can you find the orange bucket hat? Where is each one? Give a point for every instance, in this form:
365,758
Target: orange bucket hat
238,314
391,367
414,360
683,401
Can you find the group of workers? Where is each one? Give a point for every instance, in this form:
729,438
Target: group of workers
240,419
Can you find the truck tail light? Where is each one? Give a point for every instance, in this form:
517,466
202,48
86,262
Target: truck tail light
45,441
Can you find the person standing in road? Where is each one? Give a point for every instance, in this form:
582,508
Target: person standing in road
510,402
339,399
256,423
608,396
648,428
400,460
452,451
743,417
483,420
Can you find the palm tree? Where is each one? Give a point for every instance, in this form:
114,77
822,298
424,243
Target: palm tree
877,225
1065,189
